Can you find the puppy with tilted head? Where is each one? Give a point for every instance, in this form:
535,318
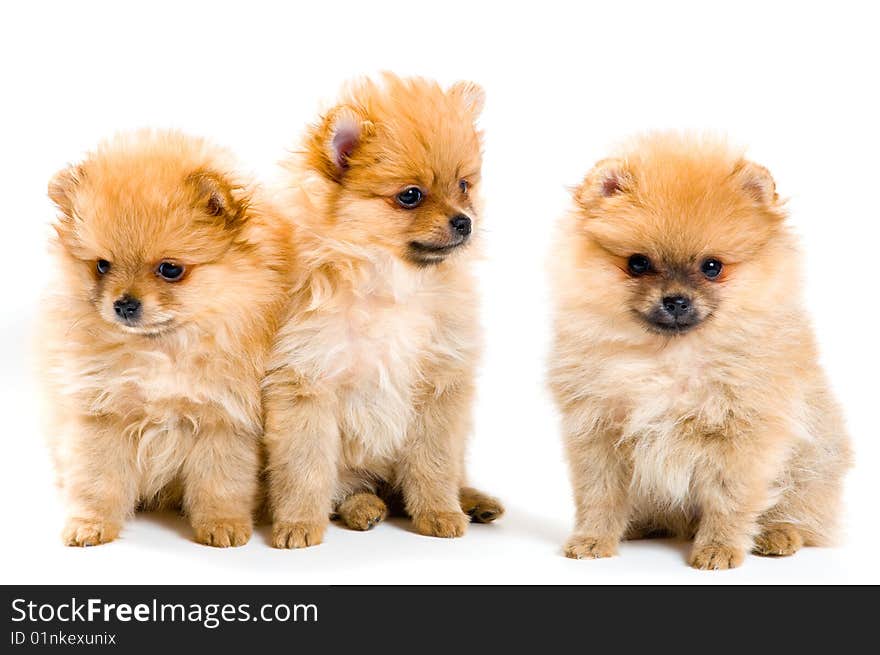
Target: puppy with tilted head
684,364
171,279
372,376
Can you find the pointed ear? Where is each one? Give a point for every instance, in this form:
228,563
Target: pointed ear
608,178
756,181
343,131
62,188
471,95
215,195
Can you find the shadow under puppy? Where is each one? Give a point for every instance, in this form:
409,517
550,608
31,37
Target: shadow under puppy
372,376
172,278
684,365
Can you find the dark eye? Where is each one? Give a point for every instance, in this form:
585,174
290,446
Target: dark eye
639,265
463,185
169,271
711,268
103,266
410,198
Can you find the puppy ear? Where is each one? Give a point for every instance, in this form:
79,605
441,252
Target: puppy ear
471,95
62,188
756,181
343,131
215,195
608,178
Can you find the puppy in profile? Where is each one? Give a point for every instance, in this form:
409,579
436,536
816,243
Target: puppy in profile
171,281
371,380
684,365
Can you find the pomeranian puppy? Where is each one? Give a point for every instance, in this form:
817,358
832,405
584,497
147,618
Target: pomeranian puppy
172,280
684,365
371,379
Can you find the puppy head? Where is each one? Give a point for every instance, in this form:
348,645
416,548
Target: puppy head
403,159
145,231
682,231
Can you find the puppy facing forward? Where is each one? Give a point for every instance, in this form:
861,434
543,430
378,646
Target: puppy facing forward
171,281
372,376
684,365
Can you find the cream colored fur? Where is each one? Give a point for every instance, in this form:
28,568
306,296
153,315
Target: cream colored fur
168,411
727,433
372,376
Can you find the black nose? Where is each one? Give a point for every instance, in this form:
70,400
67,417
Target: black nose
461,224
677,305
127,308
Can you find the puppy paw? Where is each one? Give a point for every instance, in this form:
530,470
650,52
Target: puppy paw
362,511
480,507
580,547
778,540
298,534
89,532
223,533
441,524
716,557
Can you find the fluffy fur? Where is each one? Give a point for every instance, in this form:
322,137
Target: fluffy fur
164,406
372,375
717,425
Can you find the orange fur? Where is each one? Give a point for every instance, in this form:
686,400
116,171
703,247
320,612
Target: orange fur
167,408
372,375
726,431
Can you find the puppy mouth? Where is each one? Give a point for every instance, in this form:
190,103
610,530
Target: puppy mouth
669,327
675,328
150,330
424,253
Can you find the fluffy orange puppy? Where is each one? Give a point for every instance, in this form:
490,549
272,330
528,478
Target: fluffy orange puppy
171,280
372,377
684,365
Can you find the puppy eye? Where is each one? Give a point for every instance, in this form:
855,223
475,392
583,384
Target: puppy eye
410,198
463,185
102,266
711,268
169,271
639,265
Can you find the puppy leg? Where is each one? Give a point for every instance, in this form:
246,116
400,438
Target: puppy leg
729,513
221,477
429,472
808,512
732,490
302,445
601,477
481,507
362,511
99,481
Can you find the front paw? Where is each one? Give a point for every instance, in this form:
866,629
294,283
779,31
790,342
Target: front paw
223,533
716,557
441,524
582,547
89,532
297,534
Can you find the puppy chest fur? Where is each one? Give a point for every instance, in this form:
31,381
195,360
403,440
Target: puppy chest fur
677,410
158,403
377,376
366,347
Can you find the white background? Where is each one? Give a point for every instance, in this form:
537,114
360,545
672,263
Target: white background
565,81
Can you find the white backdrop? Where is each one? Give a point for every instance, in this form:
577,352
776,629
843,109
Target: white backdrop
565,81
